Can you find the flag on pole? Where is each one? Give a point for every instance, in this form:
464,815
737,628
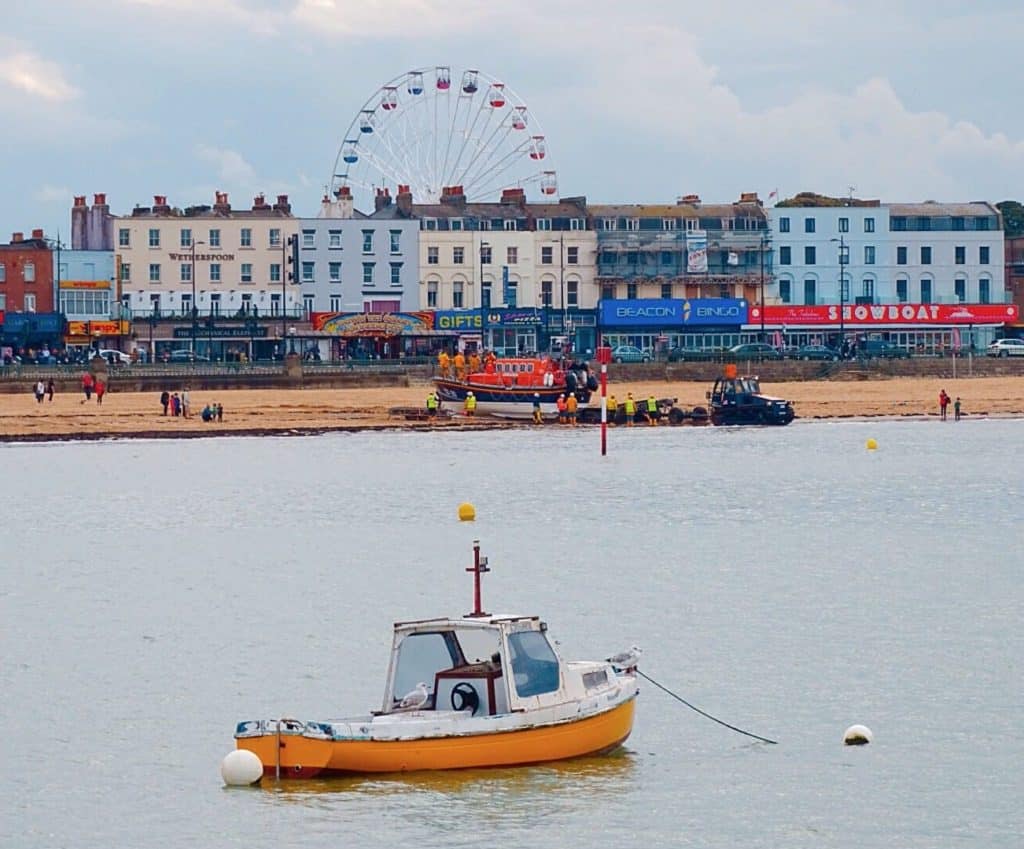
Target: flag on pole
774,193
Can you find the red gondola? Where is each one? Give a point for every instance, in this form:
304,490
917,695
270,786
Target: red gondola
538,149
444,77
496,95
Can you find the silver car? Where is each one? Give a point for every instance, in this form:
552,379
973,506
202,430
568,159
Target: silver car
1006,348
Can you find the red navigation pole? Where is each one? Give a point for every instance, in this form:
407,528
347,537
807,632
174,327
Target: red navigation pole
604,356
478,568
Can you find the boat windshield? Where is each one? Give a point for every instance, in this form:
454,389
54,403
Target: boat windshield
420,657
534,664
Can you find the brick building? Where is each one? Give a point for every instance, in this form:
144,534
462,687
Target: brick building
26,274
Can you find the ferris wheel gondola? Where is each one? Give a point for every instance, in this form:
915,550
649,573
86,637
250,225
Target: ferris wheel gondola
419,130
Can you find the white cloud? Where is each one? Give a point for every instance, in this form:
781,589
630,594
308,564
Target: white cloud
54,194
29,73
231,165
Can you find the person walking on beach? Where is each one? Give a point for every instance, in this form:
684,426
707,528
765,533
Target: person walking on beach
571,406
186,403
51,387
101,389
460,366
561,406
39,390
613,408
432,405
538,418
87,385
630,409
470,404
956,409
220,412
165,400
943,404
652,411
442,362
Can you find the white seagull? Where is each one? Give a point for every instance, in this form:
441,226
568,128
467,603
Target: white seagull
627,659
416,699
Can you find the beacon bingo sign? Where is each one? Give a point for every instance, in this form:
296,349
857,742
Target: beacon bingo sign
671,312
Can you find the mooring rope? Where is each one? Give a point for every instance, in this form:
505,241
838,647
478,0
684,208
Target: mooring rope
679,698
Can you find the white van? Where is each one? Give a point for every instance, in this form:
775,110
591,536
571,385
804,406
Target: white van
115,357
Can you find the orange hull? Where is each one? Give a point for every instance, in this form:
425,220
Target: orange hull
303,757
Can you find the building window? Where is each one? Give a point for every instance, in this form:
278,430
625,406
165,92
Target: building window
275,237
572,255
154,237
983,291
902,288
335,303
124,238
215,272
572,293
247,272
960,255
546,290
30,303
607,291
785,255
307,272
29,272
485,294
810,255
666,257
458,255
126,272
308,239
926,290
510,224
869,225
154,272
186,304
185,272
784,225
432,257
334,240
901,255
246,237
867,287
334,272
368,272
185,237
457,295
432,294
960,289
581,224
786,291
396,274
666,291
869,254
485,254
275,303
396,241
547,255
308,302
631,291
844,288
215,303
983,255
512,292
275,272
511,255
543,223
215,238
926,255
367,241
844,225
810,291
808,225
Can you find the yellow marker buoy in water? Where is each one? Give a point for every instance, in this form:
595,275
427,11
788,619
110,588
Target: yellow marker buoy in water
467,512
871,445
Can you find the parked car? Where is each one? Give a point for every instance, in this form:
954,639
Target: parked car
115,357
880,349
679,355
815,352
755,351
630,354
1006,348
186,356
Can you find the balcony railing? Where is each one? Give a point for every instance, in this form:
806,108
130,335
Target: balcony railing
298,313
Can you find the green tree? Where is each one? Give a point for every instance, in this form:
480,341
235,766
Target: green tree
1013,217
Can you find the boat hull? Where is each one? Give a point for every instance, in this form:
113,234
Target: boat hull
305,757
514,402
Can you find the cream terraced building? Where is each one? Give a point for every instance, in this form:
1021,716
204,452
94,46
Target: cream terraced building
235,261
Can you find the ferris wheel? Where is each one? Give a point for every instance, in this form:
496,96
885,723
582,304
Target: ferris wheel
434,127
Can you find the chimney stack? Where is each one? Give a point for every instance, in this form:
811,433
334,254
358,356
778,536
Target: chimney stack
259,203
453,195
282,205
513,197
691,199
99,199
382,200
38,234
160,206
221,204
17,237
403,200
79,200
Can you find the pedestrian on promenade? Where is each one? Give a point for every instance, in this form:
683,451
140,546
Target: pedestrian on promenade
175,405
39,390
220,412
101,389
186,403
51,387
165,400
956,409
87,386
943,404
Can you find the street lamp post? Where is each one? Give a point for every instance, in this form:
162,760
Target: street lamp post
764,241
842,283
194,307
483,307
561,281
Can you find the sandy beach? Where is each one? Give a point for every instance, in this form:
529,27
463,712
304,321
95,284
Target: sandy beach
312,411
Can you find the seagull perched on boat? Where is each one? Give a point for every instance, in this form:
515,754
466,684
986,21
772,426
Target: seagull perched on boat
627,659
415,699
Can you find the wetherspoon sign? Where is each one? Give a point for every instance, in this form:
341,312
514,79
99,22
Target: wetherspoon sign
872,314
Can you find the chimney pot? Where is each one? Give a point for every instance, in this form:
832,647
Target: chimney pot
79,200
282,199
37,234
17,237
99,199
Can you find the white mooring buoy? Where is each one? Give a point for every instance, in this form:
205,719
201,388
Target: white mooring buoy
241,768
857,735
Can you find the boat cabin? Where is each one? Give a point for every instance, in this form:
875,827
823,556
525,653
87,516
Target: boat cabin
484,665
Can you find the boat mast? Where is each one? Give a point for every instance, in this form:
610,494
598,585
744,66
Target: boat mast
478,568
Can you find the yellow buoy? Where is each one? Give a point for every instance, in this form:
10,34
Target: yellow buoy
871,445
467,512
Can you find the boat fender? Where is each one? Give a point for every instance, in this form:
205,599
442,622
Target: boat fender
549,379
592,383
241,768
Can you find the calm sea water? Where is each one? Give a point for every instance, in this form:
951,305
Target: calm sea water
787,580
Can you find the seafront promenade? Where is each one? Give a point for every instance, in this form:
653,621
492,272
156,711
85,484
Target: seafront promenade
301,411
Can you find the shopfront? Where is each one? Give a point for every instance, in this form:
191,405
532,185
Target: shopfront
378,336
512,332
658,325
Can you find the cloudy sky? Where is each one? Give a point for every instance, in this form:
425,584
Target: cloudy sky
640,101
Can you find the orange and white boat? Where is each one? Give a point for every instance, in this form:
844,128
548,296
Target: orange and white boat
482,690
